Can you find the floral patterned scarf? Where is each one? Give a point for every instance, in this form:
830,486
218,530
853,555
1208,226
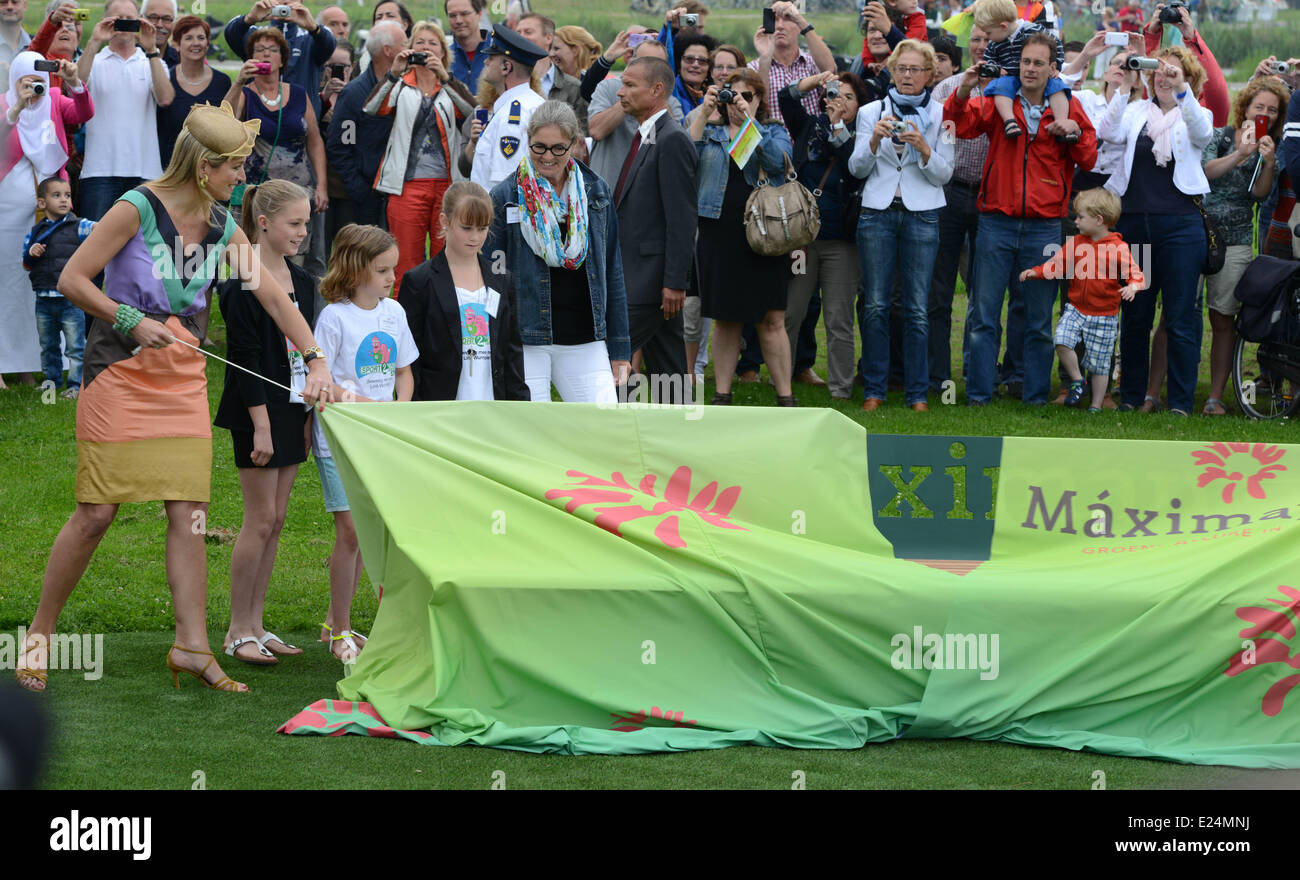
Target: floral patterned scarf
541,207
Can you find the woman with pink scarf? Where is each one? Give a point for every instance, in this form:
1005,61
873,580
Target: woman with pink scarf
33,116
1160,182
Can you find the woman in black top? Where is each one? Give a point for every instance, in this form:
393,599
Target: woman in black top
193,79
442,297
270,431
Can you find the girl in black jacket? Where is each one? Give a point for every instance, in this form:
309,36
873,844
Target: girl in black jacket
269,429
460,308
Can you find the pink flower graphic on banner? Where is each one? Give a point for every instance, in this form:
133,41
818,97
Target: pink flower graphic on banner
1229,462
618,502
627,722
1267,650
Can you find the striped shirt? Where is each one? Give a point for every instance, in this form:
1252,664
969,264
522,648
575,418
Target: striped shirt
779,76
1006,53
968,154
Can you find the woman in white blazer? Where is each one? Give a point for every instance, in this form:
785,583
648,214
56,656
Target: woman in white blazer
905,167
1160,182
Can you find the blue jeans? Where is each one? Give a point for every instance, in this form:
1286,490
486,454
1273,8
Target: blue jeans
55,316
99,193
1177,254
1006,246
906,241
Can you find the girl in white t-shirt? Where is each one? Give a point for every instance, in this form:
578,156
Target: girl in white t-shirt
369,350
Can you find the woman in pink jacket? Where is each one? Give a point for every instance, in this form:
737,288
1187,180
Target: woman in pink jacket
33,116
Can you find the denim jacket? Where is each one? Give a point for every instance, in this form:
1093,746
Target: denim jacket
714,161
532,277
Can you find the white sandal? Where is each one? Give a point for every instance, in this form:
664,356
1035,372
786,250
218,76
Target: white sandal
246,640
272,637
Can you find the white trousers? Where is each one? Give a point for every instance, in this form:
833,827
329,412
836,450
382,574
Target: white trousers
581,373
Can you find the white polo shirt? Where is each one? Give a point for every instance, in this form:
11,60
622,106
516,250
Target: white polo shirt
122,136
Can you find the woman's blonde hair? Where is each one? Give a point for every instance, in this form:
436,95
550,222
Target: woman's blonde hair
1269,84
585,47
467,202
1193,72
267,200
421,26
925,50
183,169
355,248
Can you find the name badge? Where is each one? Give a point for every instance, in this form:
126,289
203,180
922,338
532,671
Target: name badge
512,216
493,302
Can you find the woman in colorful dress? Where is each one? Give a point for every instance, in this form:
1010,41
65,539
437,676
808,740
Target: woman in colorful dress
143,429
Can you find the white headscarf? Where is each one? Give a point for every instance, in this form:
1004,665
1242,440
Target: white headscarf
36,132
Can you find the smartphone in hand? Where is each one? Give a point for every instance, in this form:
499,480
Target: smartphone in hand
769,20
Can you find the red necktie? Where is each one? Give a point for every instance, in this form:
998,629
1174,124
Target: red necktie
627,165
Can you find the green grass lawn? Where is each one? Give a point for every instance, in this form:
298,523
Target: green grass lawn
132,729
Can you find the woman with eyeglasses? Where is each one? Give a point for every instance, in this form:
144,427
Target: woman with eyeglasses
902,152
554,220
692,55
737,286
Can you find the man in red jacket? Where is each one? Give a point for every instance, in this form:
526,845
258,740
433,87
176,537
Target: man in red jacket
1024,195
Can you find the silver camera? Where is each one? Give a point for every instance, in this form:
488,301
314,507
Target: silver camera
38,89
898,127
688,19
1281,68
833,89
1134,62
281,11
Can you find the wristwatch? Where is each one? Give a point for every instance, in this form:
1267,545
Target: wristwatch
154,54
805,30
312,353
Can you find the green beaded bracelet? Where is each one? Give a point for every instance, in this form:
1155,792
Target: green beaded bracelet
127,319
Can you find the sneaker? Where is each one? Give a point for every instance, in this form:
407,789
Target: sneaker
72,392
1075,395
1094,409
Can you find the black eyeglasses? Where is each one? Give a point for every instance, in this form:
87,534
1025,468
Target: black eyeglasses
556,150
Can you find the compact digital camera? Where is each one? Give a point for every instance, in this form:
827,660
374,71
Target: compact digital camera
689,19
418,59
726,95
284,10
989,70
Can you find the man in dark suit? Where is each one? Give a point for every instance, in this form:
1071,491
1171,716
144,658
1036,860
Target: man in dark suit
657,213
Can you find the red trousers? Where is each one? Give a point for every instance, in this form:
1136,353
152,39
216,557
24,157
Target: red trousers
413,217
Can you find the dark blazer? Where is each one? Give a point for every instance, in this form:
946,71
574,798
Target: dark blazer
429,297
256,343
657,215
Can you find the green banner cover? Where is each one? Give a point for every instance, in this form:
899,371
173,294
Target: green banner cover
567,578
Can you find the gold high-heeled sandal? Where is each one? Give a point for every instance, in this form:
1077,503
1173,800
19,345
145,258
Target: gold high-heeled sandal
29,676
224,684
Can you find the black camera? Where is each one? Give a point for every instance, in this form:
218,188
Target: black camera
1137,62
418,59
127,25
726,95
1170,14
338,70
46,66
989,70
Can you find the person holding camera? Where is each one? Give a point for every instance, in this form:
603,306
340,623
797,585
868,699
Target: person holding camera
737,286
780,61
1022,199
1160,180
289,145
129,85
902,152
427,107
1240,163
823,145
1214,93
28,111
310,44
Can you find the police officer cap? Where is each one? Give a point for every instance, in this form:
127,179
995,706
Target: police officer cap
508,43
